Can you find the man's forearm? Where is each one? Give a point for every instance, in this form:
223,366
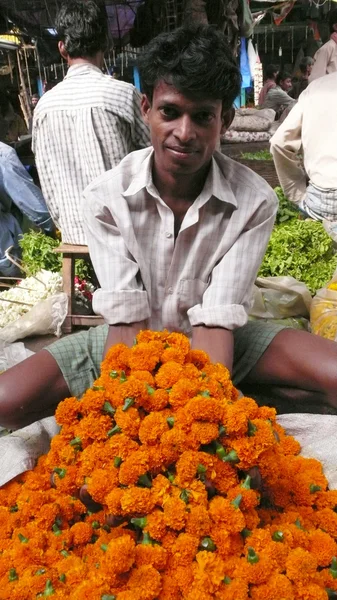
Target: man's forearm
123,334
217,342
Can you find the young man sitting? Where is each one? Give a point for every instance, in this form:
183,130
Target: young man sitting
176,234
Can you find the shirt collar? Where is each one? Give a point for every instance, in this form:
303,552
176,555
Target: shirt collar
81,68
216,184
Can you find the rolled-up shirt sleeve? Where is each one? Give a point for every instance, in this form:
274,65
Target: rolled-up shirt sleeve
122,297
228,297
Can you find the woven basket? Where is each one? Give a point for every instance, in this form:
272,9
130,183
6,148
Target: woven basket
264,168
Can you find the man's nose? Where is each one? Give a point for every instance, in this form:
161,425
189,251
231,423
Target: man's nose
185,129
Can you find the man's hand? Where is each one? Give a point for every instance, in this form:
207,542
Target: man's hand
217,342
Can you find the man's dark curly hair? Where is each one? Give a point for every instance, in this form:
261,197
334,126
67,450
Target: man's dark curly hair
83,27
196,60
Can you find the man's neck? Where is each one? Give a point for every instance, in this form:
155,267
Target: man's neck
175,186
96,61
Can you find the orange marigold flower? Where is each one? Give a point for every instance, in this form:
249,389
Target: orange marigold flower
309,591
113,501
145,581
198,357
178,340
155,525
326,499
156,400
93,428
173,443
322,547
168,374
116,359
152,427
211,565
102,482
173,354
222,511
119,555
145,356
182,392
128,421
144,376
326,519
224,476
205,432
206,409
249,498
136,500
236,589
175,513
170,588
81,533
198,522
146,335
121,445
184,550
301,565
134,466
151,555
68,412
184,578
277,587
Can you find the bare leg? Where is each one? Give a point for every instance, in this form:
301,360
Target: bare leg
31,390
300,361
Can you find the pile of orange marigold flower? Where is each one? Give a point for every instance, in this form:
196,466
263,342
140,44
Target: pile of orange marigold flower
165,447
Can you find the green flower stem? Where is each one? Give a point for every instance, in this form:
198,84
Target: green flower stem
49,590
127,403
231,457
113,431
315,488
278,536
207,544
76,443
226,580
252,557
237,501
144,481
139,522
252,429
147,541
184,496
170,421
333,568
60,472
12,575
246,484
108,409
201,469
117,461
23,539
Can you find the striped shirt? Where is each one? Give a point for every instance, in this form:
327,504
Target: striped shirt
82,127
206,275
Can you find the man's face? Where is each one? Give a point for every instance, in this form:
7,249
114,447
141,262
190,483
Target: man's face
309,69
286,84
184,131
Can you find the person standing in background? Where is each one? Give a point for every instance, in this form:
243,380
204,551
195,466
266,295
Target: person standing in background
17,188
299,86
278,96
271,73
87,123
326,57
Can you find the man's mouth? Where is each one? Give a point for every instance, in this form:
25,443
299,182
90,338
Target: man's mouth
182,151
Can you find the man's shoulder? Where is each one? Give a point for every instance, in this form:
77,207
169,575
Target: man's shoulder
8,153
120,177
244,180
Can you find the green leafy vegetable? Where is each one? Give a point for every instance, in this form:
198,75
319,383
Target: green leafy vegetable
286,210
260,155
37,252
301,249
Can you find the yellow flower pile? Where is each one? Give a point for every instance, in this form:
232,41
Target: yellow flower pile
166,448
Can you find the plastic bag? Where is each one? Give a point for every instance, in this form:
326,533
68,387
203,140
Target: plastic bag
280,298
45,317
323,313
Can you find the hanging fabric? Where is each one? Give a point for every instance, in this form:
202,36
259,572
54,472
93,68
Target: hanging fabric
251,58
258,79
244,65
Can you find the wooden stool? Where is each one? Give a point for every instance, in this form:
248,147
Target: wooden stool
70,254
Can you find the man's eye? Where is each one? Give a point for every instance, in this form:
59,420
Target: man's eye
170,113
206,117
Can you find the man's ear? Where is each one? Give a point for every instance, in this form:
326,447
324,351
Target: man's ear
227,118
145,106
62,50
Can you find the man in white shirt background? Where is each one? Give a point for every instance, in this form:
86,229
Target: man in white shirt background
326,56
310,130
87,123
176,234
